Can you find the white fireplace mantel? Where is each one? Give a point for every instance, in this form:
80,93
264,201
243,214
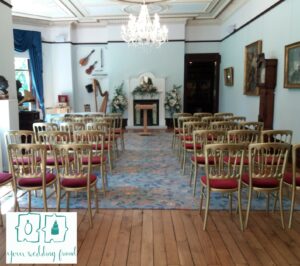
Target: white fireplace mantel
160,84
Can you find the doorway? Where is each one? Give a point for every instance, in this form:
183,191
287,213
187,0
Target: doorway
201,83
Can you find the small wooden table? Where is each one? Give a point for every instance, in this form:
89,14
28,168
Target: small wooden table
145,107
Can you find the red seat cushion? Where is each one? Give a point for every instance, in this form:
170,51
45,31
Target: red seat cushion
4,177
119,131
35,181
228,183
98,146
238,160
268,182
50,161
24,160
77,182
190,146
187,138
95,160
288,178
201,159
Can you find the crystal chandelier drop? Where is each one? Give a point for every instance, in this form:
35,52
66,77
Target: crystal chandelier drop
142,31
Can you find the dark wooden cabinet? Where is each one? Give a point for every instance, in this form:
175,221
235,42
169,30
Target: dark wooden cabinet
266,78
27,118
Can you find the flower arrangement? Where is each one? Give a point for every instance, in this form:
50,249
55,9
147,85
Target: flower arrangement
145,87
119,102
173,100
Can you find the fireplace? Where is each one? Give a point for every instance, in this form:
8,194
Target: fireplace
154,121
152,115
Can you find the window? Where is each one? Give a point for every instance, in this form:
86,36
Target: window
22,73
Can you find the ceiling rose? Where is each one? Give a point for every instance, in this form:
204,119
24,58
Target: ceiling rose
153,8
140,1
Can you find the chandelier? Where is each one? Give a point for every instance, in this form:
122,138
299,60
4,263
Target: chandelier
142,31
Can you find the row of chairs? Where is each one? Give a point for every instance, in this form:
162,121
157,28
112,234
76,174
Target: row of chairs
193,135
57,161
225,173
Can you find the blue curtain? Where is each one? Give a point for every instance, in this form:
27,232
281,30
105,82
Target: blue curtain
32,41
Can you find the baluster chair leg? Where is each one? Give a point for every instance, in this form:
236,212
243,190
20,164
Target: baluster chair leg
292,207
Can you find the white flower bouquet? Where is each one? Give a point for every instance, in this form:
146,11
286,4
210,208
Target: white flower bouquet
173,100
119,102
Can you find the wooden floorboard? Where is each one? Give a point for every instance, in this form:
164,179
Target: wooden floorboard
175,237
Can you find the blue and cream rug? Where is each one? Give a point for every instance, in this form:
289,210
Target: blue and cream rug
146,176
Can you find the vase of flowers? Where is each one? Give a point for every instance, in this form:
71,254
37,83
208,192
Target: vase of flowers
173,100
145,87
119,102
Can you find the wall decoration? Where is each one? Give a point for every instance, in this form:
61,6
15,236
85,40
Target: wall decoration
292,66
3,88
85,60
250,69
91,68
145,87
228,76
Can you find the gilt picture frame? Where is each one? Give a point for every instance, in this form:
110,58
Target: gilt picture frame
228,76
292,65
250,68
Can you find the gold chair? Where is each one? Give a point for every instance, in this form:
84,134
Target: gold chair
43,126
252,125
202,138
223,115
211,119
119,131
277,136
28,168
224,125
187,139
176,128
60,119
203,114
5,179
50,138
292,180
97,139
221,177
237,119
19,137
267,162
70,127
106,128
243,136
72,176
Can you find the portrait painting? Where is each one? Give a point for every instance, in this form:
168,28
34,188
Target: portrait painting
250,68
292,66
228,76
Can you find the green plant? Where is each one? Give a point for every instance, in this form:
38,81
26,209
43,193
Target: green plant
119,102
146,87
173,100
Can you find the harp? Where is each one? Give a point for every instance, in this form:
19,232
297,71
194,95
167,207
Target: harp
97,87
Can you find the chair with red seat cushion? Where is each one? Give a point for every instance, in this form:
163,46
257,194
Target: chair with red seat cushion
200,139
243,136
292,180
221,177
32,176
176,129
43,126
266,175
75,175
97,139
50,138
187,143
5,179
105,127
118,128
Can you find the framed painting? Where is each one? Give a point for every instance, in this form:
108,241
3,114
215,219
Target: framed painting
228,76
292,66
250,69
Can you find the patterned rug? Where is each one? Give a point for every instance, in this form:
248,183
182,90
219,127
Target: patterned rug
145,176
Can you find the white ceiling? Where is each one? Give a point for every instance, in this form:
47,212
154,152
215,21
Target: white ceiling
101,10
